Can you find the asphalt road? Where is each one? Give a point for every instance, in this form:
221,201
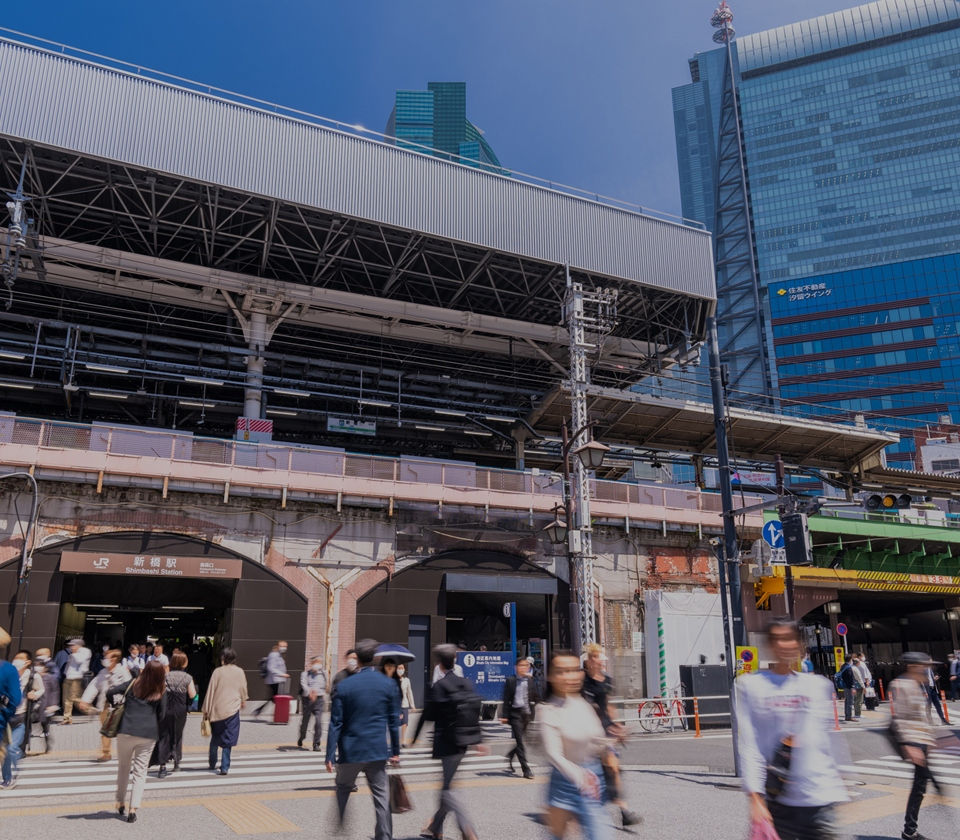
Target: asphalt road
683,786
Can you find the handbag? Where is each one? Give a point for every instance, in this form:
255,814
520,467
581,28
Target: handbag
205,731
399,799
111,725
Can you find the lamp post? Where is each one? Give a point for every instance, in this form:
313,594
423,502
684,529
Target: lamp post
589,457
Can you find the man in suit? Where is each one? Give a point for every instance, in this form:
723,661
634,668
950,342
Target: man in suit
520,697
453,732
365,708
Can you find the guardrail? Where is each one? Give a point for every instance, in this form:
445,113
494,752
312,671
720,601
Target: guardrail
669,714
286,458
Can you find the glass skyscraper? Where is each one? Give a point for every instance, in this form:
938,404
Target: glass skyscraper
435,121
851,140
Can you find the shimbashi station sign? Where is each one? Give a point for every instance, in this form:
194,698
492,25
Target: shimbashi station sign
150,565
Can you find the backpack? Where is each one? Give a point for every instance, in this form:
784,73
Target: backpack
466,730
839,679
264,670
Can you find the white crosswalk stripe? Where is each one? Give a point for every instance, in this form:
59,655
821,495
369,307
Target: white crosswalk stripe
58,778
945,768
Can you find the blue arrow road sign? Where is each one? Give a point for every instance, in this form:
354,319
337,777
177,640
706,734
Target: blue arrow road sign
773,533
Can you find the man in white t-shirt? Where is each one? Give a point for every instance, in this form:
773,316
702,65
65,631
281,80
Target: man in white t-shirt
788,754
78,663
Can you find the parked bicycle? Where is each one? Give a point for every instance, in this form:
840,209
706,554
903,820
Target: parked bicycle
662,711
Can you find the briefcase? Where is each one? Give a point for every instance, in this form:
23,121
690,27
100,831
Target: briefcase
399,799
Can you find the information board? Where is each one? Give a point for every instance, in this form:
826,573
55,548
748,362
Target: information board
487,670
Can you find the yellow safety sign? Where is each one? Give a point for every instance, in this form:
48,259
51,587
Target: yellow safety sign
748,660
838,658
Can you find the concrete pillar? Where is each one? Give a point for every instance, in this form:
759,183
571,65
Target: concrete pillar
257,342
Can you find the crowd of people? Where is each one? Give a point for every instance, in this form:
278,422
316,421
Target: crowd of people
790,761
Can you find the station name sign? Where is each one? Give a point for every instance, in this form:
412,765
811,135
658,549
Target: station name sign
149,565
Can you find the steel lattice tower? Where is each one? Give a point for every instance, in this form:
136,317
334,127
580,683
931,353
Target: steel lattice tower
740,322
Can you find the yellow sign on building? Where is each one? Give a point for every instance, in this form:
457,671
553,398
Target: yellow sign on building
748,660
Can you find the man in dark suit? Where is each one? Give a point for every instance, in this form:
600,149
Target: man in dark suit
454,729
520,697
365,708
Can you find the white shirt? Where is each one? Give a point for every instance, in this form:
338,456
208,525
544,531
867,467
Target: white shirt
162,659
78,664
438,673
771,707
96,693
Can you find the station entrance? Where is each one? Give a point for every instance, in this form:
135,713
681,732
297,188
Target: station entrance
137,587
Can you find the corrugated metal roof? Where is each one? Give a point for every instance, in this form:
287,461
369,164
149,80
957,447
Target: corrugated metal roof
850,27
88,108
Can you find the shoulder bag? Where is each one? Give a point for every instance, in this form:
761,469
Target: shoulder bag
111,726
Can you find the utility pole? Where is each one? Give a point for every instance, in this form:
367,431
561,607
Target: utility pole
598,323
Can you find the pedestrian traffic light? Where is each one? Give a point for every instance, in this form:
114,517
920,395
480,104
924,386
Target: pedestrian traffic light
888,501
796,539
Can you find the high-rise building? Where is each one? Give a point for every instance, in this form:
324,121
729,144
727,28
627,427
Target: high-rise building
435,121
849,131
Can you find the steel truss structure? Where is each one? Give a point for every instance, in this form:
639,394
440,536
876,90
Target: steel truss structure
134,287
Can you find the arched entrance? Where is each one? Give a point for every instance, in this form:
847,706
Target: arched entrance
120,588
458,597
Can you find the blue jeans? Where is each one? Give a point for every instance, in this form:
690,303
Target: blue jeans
224,760
590,813
14,753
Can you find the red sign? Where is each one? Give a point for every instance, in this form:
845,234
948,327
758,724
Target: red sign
841,629
150,565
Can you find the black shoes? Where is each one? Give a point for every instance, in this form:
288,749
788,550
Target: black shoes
132,817
915,836
630,817
222,772
300,743
316,748
163,773
527,774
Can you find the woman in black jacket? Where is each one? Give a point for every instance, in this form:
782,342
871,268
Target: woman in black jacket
144,705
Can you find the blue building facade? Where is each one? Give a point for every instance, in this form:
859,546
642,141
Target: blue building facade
435,121
851,133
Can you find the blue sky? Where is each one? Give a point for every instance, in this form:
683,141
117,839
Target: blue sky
575,92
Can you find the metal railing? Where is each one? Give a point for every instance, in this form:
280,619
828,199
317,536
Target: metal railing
910,516
275,457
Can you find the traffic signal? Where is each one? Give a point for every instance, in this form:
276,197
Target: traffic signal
796,539
888,501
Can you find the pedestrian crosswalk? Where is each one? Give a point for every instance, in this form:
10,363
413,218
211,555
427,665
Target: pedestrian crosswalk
945,767
253,767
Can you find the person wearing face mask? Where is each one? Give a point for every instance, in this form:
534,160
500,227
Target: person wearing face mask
51,694
98,694
313,688
10,693
274,671
31,690
349,668
407,702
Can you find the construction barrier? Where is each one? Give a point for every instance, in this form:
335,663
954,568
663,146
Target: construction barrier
696,716
943,703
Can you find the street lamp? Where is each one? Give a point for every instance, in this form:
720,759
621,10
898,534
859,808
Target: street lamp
591,454
556,531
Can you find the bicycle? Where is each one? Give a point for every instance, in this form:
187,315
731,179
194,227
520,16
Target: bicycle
657,712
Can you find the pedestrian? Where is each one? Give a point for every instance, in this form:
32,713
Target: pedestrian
11,694
388,667
597,689
934,694
438,671
574,743
60,661
365,711
226,696
912,732
349,669
807,664
847,680
133,661
75,669
790,771
454,707
954,674
51,695
159,656
273,670
859,687
408,702
180,690
313,689
98,692
31,689
520,697
144,702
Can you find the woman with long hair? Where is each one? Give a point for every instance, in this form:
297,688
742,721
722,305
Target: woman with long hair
180,692
407,701
144,704
574,741
388,667
226,696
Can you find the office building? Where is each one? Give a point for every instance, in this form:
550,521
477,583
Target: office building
435,120
851,154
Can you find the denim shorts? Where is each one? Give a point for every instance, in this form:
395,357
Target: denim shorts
590,813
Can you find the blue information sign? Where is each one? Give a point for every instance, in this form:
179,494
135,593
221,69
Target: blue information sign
487,670
773,533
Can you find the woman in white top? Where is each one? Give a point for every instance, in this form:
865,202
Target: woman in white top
574,741
407,702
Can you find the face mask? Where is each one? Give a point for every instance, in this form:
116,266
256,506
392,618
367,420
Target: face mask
317,669
282,650
106,662
351,665
19,664
400,671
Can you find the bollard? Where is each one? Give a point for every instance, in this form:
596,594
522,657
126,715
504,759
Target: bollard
880,683
943,704
696,717
836,715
